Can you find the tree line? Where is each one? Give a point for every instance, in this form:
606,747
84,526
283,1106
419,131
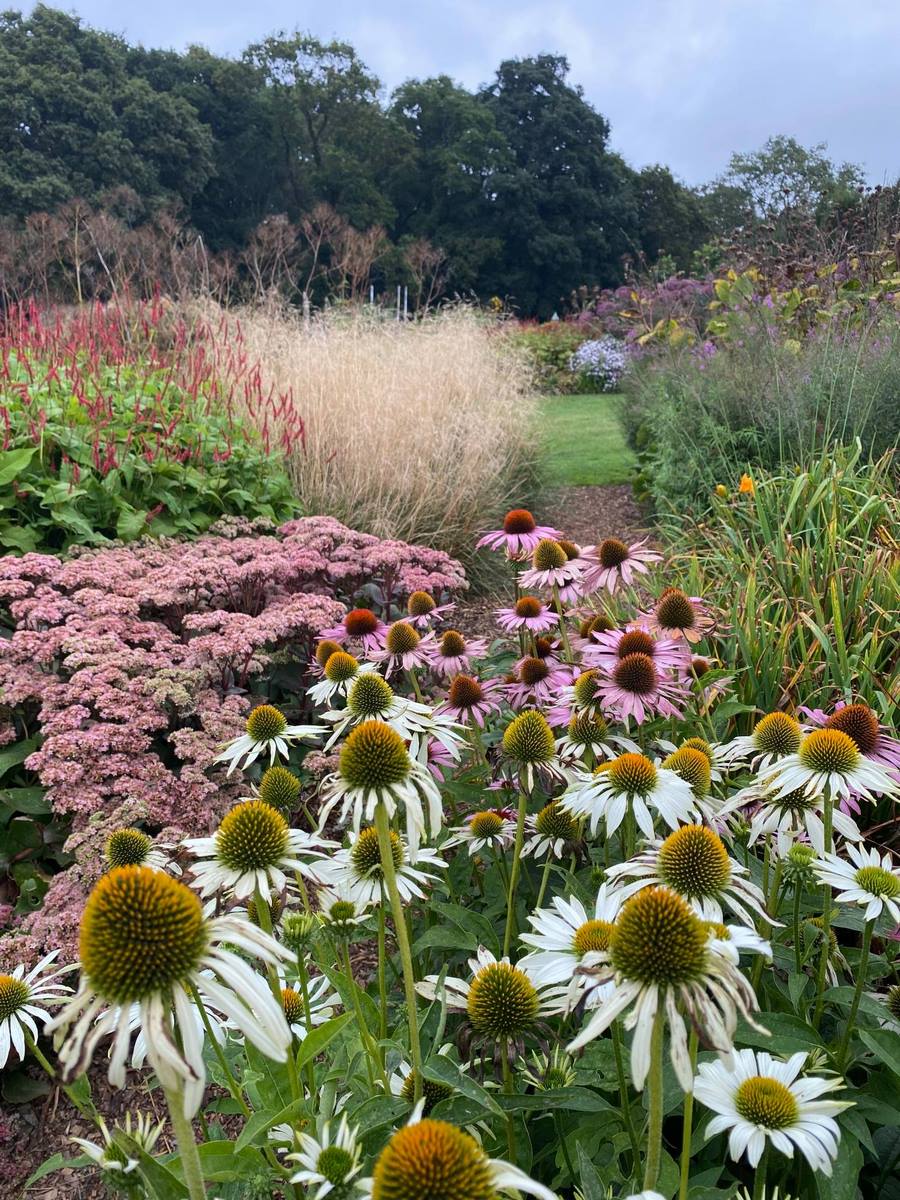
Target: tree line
287,168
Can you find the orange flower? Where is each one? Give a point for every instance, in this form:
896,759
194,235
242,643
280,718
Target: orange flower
747,485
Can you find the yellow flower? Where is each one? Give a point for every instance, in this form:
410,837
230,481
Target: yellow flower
721,491
747,486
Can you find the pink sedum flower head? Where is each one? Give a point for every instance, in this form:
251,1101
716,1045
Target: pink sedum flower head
611,563
528,613
519,535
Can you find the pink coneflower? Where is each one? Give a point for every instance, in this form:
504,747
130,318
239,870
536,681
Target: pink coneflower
551,567
571,593
607,649
536,683
695,674
860,724
519,535
404,649
591,623
361,625
440,761
529,613
611,562
637,689
676,615
422,610
470,701
453,653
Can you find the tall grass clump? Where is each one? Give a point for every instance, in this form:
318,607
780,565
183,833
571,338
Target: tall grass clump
416,431
805,566
698,413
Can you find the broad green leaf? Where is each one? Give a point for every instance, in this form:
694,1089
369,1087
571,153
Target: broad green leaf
261,1122
445,1070
316,1041
131,523
13,462
844,1181
885,1045
592,1186
13,755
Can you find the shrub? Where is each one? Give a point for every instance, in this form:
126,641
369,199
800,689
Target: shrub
699,413
806,571
117,424
414,430
125,669
550,348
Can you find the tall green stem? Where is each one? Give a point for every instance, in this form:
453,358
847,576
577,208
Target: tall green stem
759,1179
264,916
653,1156
687,1128
562,623
857,993
187,1145
383,826
508,1089
544,877
828,818
382,979
624,1100
373,1059
514,874
798,945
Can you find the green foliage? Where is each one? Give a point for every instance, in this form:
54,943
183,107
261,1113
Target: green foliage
120,452
806,571
550,347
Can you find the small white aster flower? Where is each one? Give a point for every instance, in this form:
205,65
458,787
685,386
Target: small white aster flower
268,732
24,998
450,1159
375,767
108,1156
869,879
760,1099
630,781
693,862
564,933
661,957
328,1161
145,940
829,762
251,852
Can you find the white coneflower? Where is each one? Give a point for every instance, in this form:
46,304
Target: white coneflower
870,879
564,933
503,1002
889,1003
328,1161
340,911
429,1158
731,940
552,831
134,848
788,817
144,940
587,734
403,1083
268,732
492,828
24,997
374,767
774,736
633,782
372,698
358,868
529,747
549,1072
251,851
714,752
340,672
828,761
660,957
108,1156
693,862
323,1001
760,1099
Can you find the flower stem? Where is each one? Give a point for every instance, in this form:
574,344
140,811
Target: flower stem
842,1054
544,877
798,948
187,1144
508,1089
759,1179
687,1127
382,980
827,820
372,1058
653,1155
303,976
264,916
86,1109
514,874
382,825
562,623
234,1089
624,1101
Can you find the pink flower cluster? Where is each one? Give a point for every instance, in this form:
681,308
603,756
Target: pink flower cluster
132,664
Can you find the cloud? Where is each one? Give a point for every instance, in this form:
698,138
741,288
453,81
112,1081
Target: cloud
683,82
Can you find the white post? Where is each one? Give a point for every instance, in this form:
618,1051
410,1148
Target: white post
405,303
371,293
398,301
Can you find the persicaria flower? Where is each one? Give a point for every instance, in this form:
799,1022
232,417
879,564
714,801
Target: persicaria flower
519,535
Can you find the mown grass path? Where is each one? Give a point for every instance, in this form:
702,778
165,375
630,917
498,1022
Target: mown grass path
582,442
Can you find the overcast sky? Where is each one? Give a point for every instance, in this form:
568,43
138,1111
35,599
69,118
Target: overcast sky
682,82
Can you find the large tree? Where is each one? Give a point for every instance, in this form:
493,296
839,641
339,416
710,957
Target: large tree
562,206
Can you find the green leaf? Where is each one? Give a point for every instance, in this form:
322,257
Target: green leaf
13,462
573,1099
19,1088
885,1045
445,1070
787,1034
316,1041
54,1163
844,1181
31,800
16,754
159,1180
262,1122
592,1186
18,537
445,939
130,523
222,1161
